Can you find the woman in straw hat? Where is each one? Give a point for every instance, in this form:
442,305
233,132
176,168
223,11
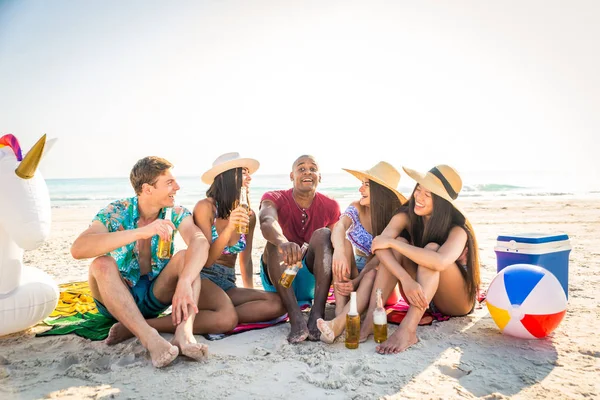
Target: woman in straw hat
217,218
438,268
353,264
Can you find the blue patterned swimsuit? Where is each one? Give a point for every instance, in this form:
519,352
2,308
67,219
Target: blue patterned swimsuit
358,236
236,248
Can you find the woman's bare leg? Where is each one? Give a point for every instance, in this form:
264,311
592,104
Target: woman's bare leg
255,305
446,288
334,328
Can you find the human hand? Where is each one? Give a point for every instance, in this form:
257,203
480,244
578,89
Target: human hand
238,217
183,303
414,294
340,267
290,253
346,287
462,260
380,243
161,227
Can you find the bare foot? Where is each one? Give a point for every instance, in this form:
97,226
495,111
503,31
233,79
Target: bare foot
191,348
118,333
366,330
162,352
400,340
326,328
313,331
298,330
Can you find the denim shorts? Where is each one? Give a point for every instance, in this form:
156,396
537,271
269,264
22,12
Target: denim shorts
361,261
220,275
144,298
303,285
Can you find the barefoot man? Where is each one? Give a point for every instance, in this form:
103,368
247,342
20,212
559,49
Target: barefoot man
289,218
128,279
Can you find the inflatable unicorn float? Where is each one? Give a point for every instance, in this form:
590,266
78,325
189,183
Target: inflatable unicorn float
27,294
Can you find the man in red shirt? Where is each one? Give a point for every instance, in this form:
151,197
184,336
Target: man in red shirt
288,219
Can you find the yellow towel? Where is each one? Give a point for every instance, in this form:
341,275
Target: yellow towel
74,297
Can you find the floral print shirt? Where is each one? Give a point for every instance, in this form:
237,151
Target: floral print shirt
123,215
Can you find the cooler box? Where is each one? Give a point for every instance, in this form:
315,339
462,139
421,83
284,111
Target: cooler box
547,251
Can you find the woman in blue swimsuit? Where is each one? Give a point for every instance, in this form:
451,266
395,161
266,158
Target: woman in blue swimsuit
353,264
217,219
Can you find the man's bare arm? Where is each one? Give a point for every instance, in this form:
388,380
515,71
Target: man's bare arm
97,240
269,225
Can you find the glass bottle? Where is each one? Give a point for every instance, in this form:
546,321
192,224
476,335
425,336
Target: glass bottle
352,324
291,271
379,320
164,246
244,203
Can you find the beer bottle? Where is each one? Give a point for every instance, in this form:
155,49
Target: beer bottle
164,246
379,320
352,324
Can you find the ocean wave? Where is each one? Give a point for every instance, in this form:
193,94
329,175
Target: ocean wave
81,198
492,187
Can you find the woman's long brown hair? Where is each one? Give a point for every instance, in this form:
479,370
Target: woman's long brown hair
225,190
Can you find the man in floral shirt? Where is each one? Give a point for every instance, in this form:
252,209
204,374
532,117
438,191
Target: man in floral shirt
127,278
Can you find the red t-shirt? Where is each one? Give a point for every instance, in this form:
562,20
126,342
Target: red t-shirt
323,211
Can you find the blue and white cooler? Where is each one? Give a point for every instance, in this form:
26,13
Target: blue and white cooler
547,251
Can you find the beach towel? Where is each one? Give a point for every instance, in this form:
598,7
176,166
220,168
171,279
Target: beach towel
88,325
254,325
75,297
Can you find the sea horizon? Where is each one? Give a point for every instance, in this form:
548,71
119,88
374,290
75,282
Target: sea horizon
96,192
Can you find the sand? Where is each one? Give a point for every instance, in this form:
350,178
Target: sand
462,358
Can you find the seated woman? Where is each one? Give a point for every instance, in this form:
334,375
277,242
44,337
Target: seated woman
353,233
217,217
438,268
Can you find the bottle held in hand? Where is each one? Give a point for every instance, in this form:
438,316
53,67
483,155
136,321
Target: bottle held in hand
244,203
291,271
164,246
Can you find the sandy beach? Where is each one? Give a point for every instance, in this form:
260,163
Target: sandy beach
461,358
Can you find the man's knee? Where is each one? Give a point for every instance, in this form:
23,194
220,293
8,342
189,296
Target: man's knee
321,236
178,259
103,266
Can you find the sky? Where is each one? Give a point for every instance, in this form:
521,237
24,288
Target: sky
490,88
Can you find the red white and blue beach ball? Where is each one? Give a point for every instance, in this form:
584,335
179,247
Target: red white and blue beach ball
526,301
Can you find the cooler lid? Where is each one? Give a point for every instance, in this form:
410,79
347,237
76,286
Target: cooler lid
533,238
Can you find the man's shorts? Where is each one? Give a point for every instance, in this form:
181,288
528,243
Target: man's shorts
303,285
144,298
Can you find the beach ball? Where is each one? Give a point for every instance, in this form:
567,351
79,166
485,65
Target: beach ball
526,301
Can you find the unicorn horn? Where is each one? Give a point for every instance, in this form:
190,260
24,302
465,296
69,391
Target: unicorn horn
27,168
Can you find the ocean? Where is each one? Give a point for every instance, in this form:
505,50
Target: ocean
97,192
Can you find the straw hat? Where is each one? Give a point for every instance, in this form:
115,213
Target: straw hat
442,180
226,162
382,173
